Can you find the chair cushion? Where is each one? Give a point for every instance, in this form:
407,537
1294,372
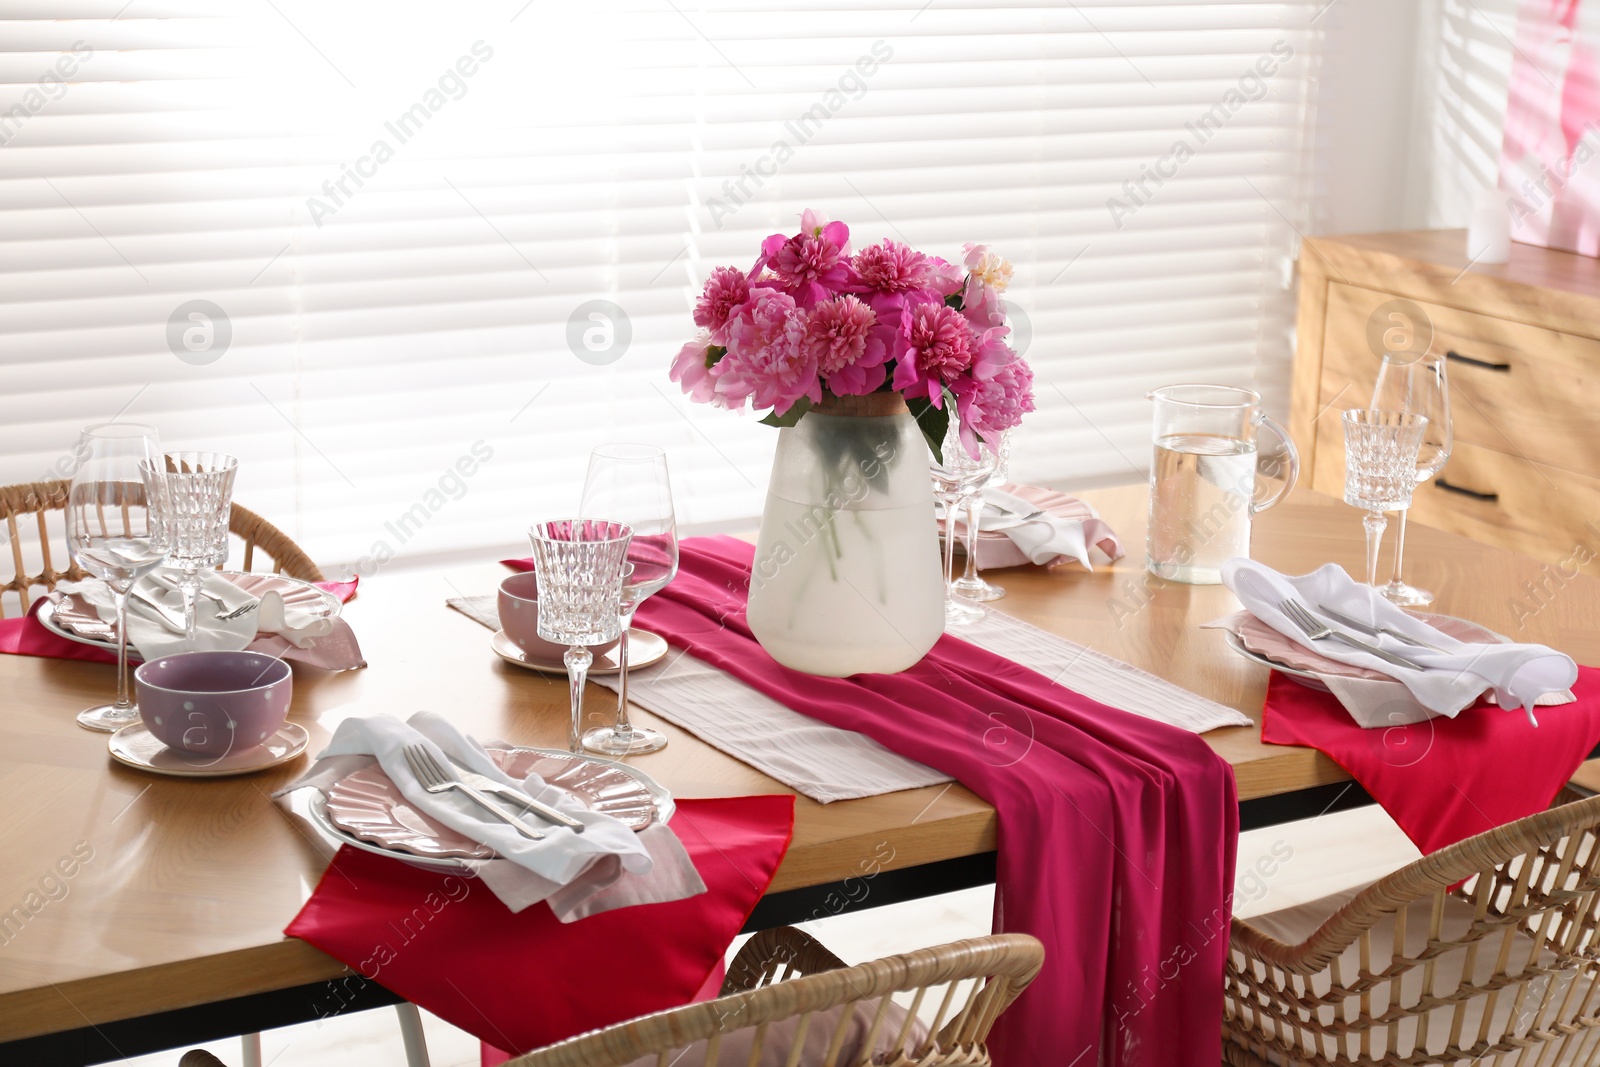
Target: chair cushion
1533,1008
735,1050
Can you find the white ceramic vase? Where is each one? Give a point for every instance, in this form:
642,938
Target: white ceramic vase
847,576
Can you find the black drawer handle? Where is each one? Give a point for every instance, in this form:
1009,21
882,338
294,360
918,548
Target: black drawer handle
1485,364
1464,491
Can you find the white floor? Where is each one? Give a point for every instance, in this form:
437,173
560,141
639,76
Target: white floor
1278,867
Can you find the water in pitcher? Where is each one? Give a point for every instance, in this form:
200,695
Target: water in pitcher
1200,488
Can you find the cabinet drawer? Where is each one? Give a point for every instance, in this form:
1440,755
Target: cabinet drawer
1514,388
1495,498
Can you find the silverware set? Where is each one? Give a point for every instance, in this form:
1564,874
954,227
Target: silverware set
174,618
436,777
1317,630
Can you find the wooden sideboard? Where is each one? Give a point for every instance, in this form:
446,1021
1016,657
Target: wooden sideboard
1522,346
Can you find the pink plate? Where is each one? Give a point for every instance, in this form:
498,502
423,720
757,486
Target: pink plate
1263,640
367,804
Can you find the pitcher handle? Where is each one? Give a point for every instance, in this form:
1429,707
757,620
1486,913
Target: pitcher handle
1294,463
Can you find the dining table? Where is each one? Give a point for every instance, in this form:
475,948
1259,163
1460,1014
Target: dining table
168,931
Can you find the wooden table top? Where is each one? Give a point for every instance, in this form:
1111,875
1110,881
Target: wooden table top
188,883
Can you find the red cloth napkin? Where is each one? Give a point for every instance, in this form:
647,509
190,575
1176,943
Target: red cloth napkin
1444,780
1117,833
489,1056
522,981
26,636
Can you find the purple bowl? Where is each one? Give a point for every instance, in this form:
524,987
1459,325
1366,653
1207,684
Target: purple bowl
213,703
519,618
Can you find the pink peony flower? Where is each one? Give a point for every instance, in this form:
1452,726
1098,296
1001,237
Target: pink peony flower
766,362
980,303
841,336
812,266
689,370
993,269
934,347
893,277
726,290
891,267
989,406
947,277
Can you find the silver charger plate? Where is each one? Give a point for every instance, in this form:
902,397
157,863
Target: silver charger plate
317,808
302,590
1305,678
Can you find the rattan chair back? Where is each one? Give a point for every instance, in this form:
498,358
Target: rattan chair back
1482,953
960,989
33,541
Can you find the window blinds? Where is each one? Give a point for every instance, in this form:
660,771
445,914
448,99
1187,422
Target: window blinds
410,262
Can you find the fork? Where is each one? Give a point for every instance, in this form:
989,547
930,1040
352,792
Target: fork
519,798
174,618
1316,630
436,779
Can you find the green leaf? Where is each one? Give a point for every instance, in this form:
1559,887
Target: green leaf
790,417
714,353
932,421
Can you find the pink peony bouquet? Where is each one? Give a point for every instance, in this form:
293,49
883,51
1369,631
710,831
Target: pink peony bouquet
811,320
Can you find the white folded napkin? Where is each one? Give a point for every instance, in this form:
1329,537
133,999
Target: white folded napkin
1043,538
560,857
299,626
606,867
1449,681
155,636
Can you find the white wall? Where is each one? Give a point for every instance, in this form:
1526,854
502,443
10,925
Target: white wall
1410,102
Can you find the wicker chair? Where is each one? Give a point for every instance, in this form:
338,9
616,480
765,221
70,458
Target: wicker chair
41,499
1485,952
785,975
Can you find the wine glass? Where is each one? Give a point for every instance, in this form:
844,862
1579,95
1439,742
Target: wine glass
114,531
1380,469
199,498
955,478
629,483
579,564
1407,383
971,585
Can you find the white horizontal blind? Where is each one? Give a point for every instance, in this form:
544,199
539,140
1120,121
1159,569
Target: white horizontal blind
399,209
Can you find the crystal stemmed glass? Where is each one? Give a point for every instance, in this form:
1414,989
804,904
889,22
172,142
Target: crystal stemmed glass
971,584
1380,469
115,533
199,497
580,564
955,478
1419,385
629,483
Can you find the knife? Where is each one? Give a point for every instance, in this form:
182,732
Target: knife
486,784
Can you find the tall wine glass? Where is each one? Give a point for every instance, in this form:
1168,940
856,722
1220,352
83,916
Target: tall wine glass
199,498
579,563
971,584
115,532
956,476
629,483
1407,383
1380,461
